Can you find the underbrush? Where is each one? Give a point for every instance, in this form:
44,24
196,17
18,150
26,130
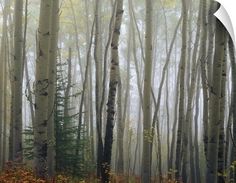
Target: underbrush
13,173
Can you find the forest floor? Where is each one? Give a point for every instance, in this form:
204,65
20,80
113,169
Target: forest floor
21,174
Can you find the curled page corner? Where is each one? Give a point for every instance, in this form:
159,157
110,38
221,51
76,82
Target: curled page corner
224,13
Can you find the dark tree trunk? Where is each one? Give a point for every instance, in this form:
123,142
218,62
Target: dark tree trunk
114,69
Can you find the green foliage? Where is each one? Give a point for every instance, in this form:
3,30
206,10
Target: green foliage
72,156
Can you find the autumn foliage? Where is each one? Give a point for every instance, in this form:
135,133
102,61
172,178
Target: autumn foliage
14,173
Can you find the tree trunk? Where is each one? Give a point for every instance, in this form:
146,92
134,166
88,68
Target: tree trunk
197,161
52,87
11,68
180,132
147,106
187,138
120,129
98,66
114,69
120,135
221,151
172,147
41,90
233,101
211,31
18,73
3,63
214,123
203,61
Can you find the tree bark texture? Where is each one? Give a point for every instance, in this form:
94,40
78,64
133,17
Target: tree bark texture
114,69
18,73
180,131
147,104
215,92
41,90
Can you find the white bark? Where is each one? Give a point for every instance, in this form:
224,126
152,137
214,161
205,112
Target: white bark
41,93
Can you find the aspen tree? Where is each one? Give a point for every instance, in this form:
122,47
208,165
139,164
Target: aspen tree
221,150
54,28
187,138
18,78
197,161
2,90
203,61
114,69
90,85
123,120
181,90
146,157
41,90
98,66
233,101
215,92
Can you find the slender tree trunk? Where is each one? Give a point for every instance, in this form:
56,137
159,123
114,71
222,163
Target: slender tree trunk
89,86
173,140
79,128
98,66
221,151
52,87
114,70
138,139
6,113
146,159
197,161
3,59
157,106
188,120
191,93
11,68
203,60
18,69
233,101
29,97
211,32
180,132
120,135
214,123
120,129
168,121
75,24
27,79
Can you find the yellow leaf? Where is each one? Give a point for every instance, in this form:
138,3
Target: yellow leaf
169,3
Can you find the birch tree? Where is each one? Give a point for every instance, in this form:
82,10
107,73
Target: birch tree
114,70
41,90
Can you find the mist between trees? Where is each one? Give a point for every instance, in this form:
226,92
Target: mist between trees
117,90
